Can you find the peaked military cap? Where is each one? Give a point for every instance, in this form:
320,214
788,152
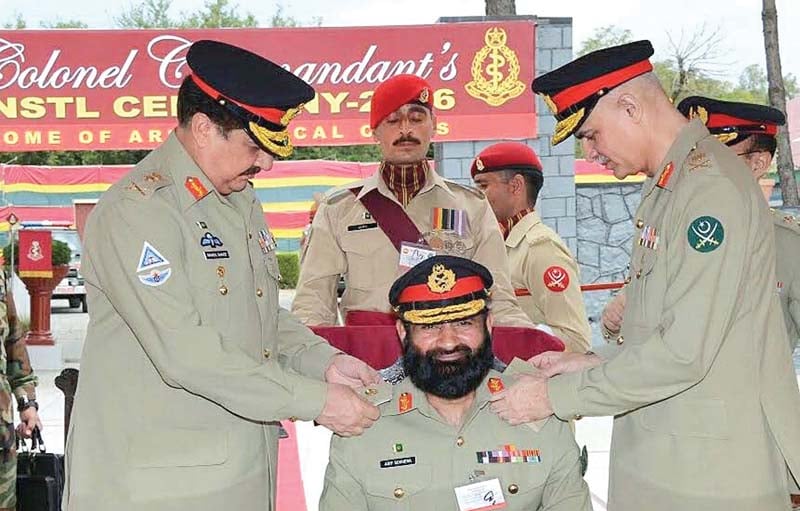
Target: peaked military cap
506,156
398,91
260,93
440,289
731,121
573,90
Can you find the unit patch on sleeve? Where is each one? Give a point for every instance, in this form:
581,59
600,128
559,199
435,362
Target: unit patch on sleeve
556,279
705,234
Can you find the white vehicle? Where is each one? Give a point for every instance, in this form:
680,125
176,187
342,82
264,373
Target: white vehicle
72,286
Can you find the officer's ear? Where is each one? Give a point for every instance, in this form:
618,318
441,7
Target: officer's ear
631,106
760,162
401,329
202,128
489,321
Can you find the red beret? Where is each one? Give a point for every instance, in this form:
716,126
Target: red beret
396,92
506,156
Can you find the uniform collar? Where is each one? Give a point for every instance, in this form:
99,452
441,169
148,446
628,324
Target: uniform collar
669,171
432,179
521,228
419,401
192,183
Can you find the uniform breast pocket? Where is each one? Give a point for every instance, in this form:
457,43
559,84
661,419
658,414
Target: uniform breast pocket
522,483
371,259
214,289
399,488
273,268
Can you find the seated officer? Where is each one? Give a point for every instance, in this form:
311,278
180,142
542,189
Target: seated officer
437,444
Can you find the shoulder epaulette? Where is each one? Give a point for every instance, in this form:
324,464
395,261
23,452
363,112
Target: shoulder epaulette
468,188
338,193
144,184
785,221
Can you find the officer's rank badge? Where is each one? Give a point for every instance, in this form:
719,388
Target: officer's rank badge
398,447
705,234
495,385
405,402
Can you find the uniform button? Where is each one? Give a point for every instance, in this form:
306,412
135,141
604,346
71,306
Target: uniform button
628,279
578,417
267,354
620,340
292,419
259,293
513,489
220,271
639,223
460,441
399,493
371,391
223,290
639,274
249,235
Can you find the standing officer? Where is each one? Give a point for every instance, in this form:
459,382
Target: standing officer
372,230
16,381
437,444
705,398
543,272
749,130
189,360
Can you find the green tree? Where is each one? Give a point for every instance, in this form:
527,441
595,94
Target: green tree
603,37
63,24
148,14
218,14
18,22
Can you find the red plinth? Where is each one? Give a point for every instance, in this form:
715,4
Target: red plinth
40,290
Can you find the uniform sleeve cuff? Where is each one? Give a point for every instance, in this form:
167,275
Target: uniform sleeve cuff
315,360
562,390
309,399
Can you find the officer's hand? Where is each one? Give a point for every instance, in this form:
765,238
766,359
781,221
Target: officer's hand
558,362
524,401
29,418
350,371
612,314
345,413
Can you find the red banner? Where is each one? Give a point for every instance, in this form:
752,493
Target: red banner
34,254
117,89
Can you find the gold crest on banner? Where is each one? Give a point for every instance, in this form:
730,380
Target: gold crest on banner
495,71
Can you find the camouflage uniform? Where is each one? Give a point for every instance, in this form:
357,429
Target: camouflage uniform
17,378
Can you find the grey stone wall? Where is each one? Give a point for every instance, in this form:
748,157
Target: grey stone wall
605,227
557,198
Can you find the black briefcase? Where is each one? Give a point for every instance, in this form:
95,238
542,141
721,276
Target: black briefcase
40,476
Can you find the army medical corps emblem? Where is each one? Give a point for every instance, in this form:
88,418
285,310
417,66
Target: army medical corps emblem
705,234
495,71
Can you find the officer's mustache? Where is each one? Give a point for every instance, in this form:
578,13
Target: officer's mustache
252,171
407,138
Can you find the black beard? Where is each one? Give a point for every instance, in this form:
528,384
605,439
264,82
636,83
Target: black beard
448,379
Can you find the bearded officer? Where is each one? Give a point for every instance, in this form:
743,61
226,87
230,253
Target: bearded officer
373,230
189,361
543,272
437,444
705,398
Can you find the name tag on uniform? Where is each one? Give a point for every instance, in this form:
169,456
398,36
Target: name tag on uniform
412,254
481,496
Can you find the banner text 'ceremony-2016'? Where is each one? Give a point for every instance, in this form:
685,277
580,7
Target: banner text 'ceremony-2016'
117,89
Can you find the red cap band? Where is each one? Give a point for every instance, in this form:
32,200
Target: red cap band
422,293
571,95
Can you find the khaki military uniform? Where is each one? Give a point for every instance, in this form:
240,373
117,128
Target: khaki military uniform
706,399
189,361
787,269
346,240
17,380
413,459
542,265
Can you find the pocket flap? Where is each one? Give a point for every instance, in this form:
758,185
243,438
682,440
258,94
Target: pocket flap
178,448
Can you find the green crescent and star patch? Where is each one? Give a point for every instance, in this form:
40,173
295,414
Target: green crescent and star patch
705,234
